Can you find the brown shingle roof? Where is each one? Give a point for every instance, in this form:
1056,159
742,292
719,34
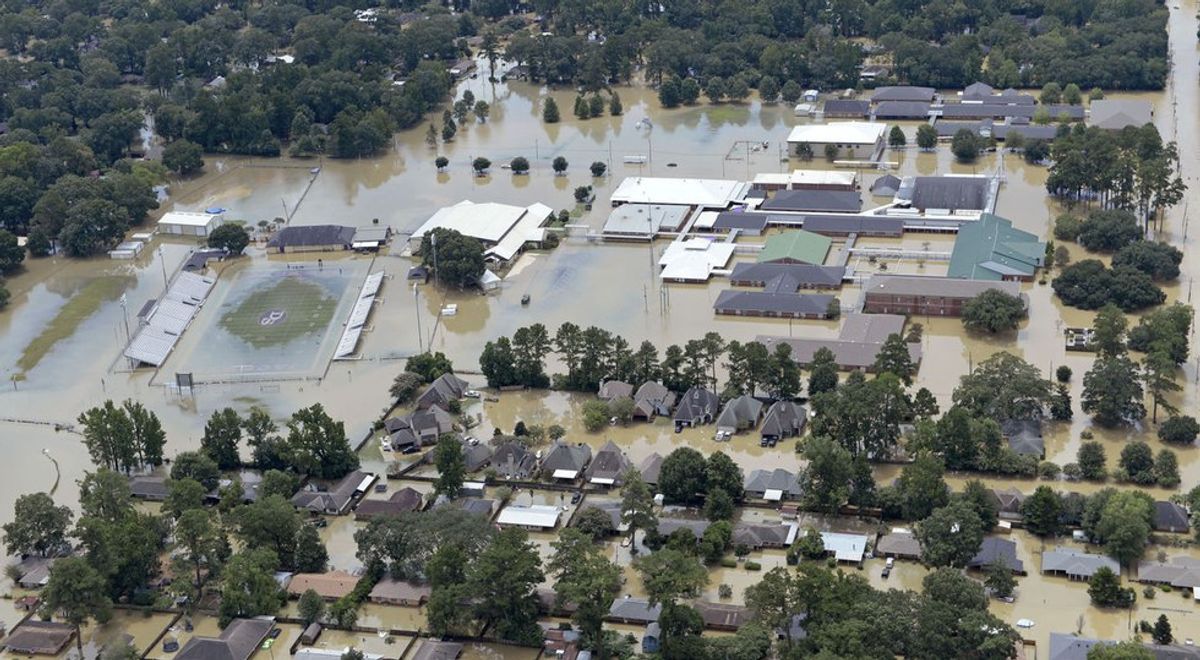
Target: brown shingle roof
330,586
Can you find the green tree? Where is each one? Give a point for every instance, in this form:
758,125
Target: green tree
976,495
614,105
222,434
183,495
768,89
596,523
784,380
1166,469
270,523
231,237
482,110
311,556
451,465
199,544
104,494
1109,331
1112,391
457,260
1004,387
1158,373
922,487
550,111
927,137
1162,631
318,446
1093,463
950,536
718,505
670,574
775,599
683,476
481,165
966,145
1124,525
1051,93
1179,430
1043,512
502,579
38,526
585,577
1127,650
825,479
519,165
248,588
724,474
1104,588
993,311
559,164
198,467
999,579
312,607
429,366
637,503
76,593
183,156
896,139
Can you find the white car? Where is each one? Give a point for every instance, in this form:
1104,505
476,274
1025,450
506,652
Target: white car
472,394
1024,623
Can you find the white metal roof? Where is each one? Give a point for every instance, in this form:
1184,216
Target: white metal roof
565,474
171,316
846,547
841,132
190,288
348,343
488,222
706,193
528,229
151,345
822,177
645,219
773,495
188,218
536,515
694,259
603,481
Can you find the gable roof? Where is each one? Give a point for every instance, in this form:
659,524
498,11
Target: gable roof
757,536
513,461
760,274
885,185
1008,500
760,481
650,468
902,110
991,248
796,245
818,200
334,500
148,487
238,641
902,93
1115,114
611,389
900,544
722,616
563,456
40,637
609,465
784,418
734,301
1170,517
1076,564
953,193
1181,572
847,107
653,398
634,609
446,388
997,551
404,500
696,403
432,649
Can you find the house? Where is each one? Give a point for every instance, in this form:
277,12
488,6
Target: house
420,428
1170,517
182,223
404,500
330,585
650,468
784,419
442,391
772,485
1070,647
856,140
535,517
609,466
1076,565
739,414
1008,503
312,653
35,571
698,406
992,249
504,230
849,548
721,616
335,501
652,399
815,200
903,93
1181,572
757,536
148,487
390,591
610,508
898,544
312,238
652,638
431,649
927,296
997,551
475,456
238,641
806,276
35,637
513,461
795,247
633,610
668,526
1115,114
846,109
566,461
1024,436
562,644
476,505
614,389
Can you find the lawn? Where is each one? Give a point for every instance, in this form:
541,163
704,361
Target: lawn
78,309
290,308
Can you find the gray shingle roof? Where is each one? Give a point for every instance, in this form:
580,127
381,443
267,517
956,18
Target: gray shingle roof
784,419
334,500
1170,517
1024,436
847,108
847,201
755,274
740,413
696,403
1182,572
611,389
902,110
446,388
994,550
634,610
733,301
760,481
727,220
899,544
903,93
610,463
238,641
563,456
650,468
513,461
1076,564
950,192
312,235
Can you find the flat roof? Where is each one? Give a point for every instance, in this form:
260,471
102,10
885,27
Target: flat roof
535,515
839,132
808,199
188,218
645,219
694,259
489,221
822,177
565,474
705,193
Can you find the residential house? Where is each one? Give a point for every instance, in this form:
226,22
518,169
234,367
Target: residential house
1024,436
476,505
757,536
772,485
1070,647
562,644
612,389
238,641
336,500
1170,517
565,461
608,467
35,571
432,649
405,500
420,428
1181,572
475,456
390,591
33,637
722,616
784,419
668,526
442,391
148,487
652,399
739,414
849,548
330,585
513,461
536,517
631,610
1008,503
1076,565
698,406
898,544
997,551
650,468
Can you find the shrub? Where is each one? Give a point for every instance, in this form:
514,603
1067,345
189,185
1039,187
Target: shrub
1179,430
1063,373
1067,227
753,566
1048,470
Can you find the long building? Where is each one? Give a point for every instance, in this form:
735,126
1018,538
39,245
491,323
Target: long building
855,347
503,229
857,140
926,296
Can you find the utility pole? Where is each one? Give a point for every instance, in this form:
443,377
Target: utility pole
417,313
163,261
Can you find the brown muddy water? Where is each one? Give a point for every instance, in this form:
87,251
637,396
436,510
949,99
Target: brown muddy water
63,331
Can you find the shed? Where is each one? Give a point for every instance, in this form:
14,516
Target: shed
183,223
311,633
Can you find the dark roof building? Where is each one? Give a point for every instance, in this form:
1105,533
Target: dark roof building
1170,517
513,461
847,109
720,616
1024,436
419,428
1115,114
806,276
861,224
336,500
312,238
778,484
778,305
390,591
402,501
997,551
238,641
563,458
612,389
148,487
750,223
903,93
740,414
902,110
432,649
901,545
947,194
633,610
442,391
1076,565
784,419
650,468
1008,503
886,185
652,399
608,467
858,343
1181,572
821,201
698,406
35,637
926,296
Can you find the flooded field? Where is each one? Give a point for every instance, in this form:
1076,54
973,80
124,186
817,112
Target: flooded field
66,325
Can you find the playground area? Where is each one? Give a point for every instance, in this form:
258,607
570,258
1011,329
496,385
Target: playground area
270,321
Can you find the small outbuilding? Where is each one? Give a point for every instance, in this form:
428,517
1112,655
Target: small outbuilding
184,223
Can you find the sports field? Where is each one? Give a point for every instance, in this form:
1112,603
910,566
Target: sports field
270,321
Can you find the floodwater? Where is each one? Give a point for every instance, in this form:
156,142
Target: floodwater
64,329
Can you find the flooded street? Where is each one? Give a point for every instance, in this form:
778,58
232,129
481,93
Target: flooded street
68,320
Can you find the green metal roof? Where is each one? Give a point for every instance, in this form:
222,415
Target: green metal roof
797,245
992,249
